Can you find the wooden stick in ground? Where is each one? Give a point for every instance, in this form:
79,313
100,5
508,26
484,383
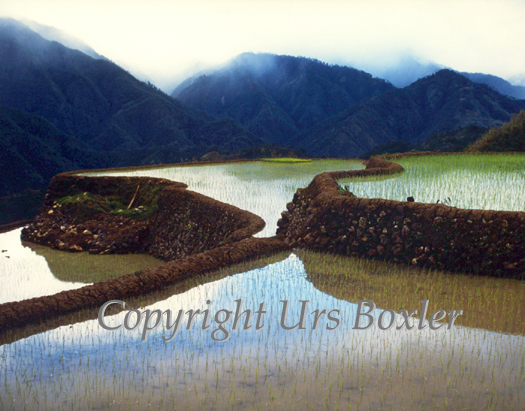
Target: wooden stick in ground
134,195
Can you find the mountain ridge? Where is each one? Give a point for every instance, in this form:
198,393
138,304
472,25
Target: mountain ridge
443,101
276,97
103,105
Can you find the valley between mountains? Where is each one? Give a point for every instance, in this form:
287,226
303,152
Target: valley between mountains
62,109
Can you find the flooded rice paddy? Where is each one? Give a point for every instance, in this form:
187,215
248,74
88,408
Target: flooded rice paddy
485,182
30,270
74,364
264,188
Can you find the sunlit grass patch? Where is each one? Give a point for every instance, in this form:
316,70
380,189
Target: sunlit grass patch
286,160
88,203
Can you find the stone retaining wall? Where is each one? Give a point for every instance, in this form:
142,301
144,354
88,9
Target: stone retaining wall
434,235
185,222
196,233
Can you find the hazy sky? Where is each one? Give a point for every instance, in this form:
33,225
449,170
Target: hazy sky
165,41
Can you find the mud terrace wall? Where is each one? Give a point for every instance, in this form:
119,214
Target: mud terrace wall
185,222
433,235
36,309
196,233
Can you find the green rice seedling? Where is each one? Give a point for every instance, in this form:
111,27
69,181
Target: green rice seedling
73,363
473,181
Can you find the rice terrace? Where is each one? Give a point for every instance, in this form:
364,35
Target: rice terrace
259,321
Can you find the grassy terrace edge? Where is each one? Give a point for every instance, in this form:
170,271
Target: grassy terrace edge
319,218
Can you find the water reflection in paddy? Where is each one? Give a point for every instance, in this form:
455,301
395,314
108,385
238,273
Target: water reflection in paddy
85,367
30,270
81,366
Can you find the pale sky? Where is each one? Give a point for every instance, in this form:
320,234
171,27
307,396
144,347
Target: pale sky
166,41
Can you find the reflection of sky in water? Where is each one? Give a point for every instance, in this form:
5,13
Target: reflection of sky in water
25,274
68,347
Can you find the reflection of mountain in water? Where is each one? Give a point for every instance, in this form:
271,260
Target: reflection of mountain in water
92,268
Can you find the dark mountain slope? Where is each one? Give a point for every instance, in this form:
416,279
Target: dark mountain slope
32,151
101,104
276,97
441,102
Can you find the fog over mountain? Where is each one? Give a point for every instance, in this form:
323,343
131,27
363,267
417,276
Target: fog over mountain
277,97
401,70
101,104
53,34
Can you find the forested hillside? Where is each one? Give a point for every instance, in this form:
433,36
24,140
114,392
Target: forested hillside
508,137
441,102
277,97
102,105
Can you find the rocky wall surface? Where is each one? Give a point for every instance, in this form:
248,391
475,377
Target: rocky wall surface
189,223
434,235
75,216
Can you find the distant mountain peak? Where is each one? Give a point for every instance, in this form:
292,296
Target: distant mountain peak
54,34
278,96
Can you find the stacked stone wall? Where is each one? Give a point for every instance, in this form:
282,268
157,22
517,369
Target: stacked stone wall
433,235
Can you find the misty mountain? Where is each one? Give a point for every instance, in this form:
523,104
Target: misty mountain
102,105
441,102
401,72
497,83
53,34
277,97
408,69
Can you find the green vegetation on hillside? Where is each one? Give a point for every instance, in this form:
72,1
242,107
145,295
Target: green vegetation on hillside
443,101
508,137
277,97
